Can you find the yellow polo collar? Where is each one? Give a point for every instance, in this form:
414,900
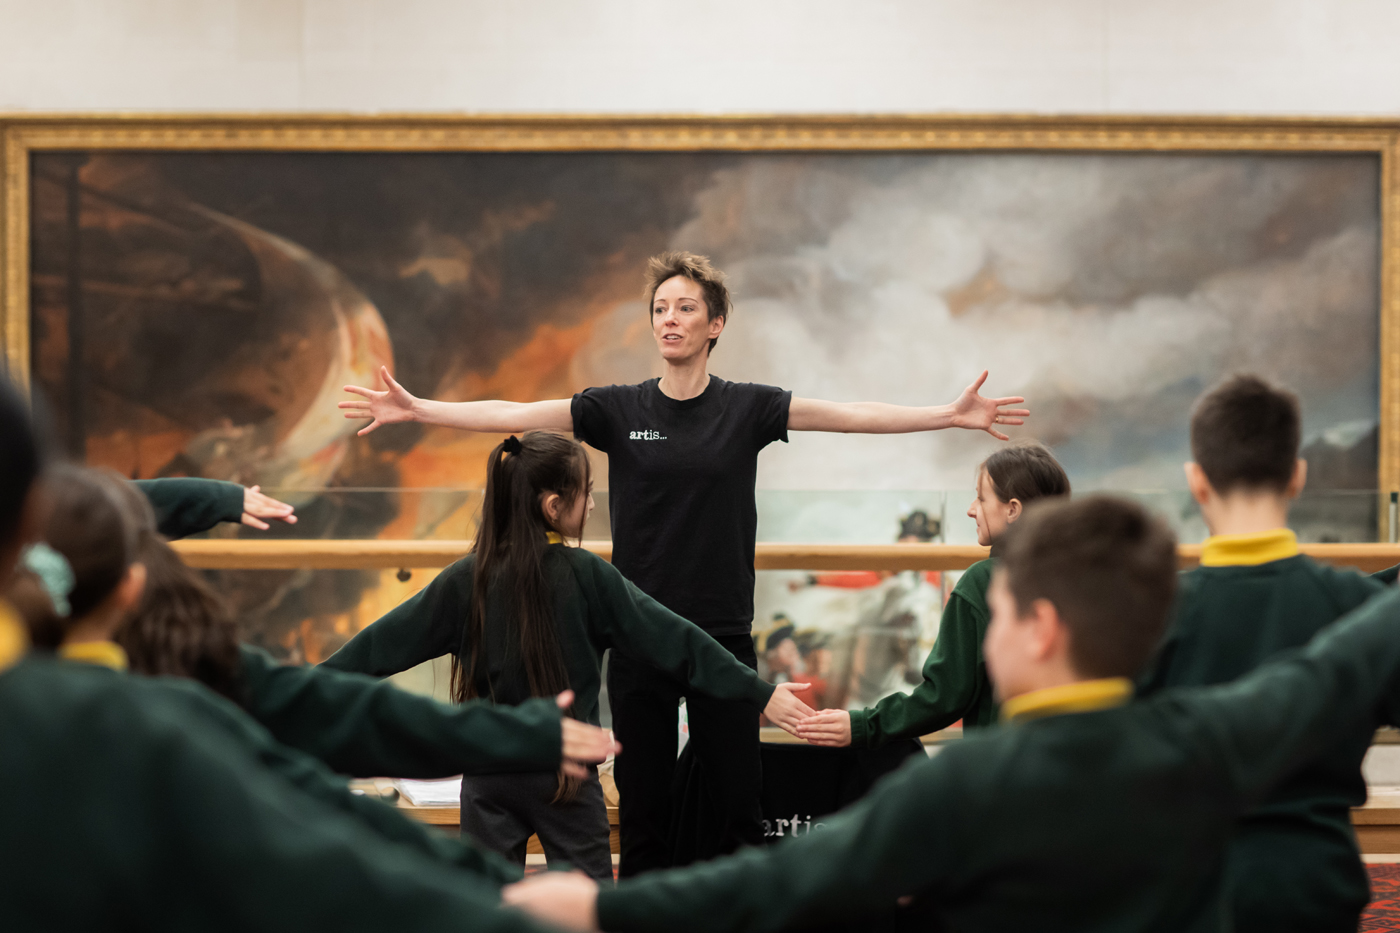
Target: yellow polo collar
102,653
1082,697
554,537
14,637
1249,550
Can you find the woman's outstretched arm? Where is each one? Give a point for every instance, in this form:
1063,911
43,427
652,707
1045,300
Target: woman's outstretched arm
970,411
395,405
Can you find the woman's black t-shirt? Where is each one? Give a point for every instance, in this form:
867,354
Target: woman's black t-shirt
681,479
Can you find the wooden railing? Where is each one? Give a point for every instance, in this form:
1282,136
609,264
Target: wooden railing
252,554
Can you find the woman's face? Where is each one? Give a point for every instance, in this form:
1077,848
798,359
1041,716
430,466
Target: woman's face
680,320
991,514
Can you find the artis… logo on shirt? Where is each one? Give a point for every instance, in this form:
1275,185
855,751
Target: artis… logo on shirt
796,826
646,436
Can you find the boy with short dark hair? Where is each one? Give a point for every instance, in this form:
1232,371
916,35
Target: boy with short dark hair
1294,864
1086,812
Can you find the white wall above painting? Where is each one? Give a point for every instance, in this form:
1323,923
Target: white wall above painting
708,56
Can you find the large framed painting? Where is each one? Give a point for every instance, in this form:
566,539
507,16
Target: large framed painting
187,295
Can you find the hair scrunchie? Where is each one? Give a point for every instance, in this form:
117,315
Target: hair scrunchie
512,445
54,572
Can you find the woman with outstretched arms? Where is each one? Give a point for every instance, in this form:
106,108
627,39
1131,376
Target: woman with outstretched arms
682,461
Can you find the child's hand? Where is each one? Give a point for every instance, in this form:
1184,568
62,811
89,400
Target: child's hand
831,727
568,900
785,710
984,414
389,407
582,743
257,507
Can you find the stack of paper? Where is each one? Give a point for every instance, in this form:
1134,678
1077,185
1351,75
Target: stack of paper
444,793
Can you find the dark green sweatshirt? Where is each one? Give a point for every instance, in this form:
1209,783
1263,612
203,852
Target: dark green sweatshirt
1294,863
595,608
955,676
358,725
364,727
128,809
1110,820
188,506
312,778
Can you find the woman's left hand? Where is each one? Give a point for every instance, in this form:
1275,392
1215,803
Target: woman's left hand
976,413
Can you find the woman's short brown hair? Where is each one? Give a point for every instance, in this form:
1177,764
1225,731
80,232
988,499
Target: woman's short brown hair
698,269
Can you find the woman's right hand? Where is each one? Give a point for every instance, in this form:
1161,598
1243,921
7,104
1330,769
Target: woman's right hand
392,406
785,710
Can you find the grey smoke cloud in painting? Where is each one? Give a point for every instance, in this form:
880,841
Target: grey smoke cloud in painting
1110,290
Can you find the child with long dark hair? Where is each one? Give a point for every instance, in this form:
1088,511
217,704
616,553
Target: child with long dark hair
955,684
523,616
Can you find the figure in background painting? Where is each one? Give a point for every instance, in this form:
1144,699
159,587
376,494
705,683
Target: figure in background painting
682,454
895,621
793,657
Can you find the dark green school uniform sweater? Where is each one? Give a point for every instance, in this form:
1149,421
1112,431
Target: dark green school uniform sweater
363,726
358,725
188,506
955,682
1294,863
126,808
595,608
1110,819
306,774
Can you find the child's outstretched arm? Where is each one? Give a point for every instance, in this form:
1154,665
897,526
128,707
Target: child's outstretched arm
970,410
947,693
427,625
361,726
396,404
909,836
188,505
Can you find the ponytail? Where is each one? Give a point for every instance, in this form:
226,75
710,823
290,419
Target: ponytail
509,549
